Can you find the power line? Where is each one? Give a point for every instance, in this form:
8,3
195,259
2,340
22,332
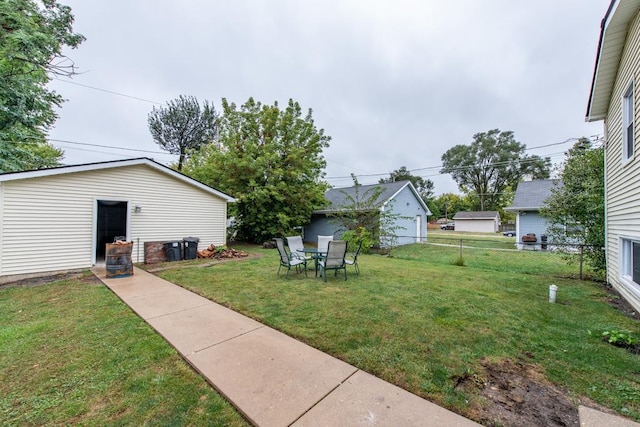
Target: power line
109,146
593,138
110,91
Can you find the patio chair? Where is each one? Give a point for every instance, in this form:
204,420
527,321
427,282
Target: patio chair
323,243
353,260
334,259
296,246
287,260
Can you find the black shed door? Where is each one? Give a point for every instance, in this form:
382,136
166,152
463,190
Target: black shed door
112,222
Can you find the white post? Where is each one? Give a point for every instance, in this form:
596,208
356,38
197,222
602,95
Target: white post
553,289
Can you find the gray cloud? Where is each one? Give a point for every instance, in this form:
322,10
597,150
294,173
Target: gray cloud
393,83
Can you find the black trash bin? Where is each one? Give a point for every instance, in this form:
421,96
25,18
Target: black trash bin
173,250
191,247
543,240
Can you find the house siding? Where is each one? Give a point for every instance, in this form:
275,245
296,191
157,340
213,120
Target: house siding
405,204
321,225
623,177
48,223
530,222
408,208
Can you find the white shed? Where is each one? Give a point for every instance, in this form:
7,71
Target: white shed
479,221
61,218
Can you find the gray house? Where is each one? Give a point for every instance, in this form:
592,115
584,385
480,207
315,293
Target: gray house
528,200
400,198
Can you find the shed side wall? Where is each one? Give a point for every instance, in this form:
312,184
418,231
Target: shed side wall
48,222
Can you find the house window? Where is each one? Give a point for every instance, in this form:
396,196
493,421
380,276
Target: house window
627,123
630,261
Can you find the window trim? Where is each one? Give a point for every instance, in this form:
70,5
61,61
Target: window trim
628,118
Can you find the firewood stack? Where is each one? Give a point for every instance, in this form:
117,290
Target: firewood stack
220,252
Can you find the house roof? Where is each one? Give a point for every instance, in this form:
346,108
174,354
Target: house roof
530,195
13,176
339,197
613,35
476,215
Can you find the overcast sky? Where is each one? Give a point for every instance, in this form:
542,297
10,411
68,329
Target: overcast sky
394,83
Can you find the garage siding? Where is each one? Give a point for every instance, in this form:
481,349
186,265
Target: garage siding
48,222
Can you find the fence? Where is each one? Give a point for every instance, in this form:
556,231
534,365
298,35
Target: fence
504,254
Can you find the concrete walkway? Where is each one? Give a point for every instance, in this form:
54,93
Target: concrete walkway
275,380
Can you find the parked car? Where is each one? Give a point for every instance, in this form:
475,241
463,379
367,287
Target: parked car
448,226
509,233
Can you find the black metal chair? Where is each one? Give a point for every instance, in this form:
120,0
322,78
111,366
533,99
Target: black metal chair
334,260
286,260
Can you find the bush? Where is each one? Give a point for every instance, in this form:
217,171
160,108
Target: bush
355,236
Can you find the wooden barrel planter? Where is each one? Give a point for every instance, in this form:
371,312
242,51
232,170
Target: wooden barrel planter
118,259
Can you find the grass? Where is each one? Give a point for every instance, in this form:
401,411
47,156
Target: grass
72,353
482,251
422,324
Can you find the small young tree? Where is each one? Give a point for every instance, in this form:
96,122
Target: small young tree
183,125
575,209
362,216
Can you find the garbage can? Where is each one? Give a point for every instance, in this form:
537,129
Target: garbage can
543,242
173,251
191,247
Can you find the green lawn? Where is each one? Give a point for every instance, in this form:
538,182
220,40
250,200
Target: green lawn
422,324
72,353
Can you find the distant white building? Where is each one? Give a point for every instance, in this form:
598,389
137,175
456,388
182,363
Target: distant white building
479,221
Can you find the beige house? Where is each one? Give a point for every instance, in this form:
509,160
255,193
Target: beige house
614,99
478,221
61,218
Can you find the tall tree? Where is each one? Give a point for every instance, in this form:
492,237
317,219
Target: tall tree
32,37
270,160
490,164
575,209
424,186
183,125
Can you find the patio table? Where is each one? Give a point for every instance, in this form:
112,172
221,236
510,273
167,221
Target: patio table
315,255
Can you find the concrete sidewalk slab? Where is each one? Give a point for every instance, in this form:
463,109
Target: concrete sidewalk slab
207,325
366,400
594,418
272,378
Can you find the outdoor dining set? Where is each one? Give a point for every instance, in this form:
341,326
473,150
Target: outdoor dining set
329,254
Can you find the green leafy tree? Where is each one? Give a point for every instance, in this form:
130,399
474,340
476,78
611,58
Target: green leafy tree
575,209
270,160
424,186
448,204
362,218
183,126
32,37
493,162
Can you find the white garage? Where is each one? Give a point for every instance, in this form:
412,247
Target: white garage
61,218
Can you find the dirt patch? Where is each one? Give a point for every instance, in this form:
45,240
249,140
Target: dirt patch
617,301
517,394
43,280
